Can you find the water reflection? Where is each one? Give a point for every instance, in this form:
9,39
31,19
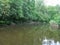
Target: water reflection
50,42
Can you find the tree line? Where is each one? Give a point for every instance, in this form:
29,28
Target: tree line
18,11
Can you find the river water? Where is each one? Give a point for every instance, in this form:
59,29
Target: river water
29,35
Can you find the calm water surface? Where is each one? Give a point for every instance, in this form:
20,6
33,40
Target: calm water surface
29,35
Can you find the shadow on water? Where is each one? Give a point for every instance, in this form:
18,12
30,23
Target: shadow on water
27,34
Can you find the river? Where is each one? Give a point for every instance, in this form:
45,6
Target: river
29,35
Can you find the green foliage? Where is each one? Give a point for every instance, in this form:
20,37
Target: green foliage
57,18
42,13
27,10
54,13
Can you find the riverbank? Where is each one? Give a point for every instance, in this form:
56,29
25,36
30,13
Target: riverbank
23,24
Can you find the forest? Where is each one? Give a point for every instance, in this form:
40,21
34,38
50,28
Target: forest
20,11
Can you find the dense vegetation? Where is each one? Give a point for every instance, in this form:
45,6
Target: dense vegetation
13,11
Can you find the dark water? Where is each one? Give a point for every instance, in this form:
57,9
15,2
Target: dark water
29,35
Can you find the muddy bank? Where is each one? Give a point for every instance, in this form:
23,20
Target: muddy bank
22,24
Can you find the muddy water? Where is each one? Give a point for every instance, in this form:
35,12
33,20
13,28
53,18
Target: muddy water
28,35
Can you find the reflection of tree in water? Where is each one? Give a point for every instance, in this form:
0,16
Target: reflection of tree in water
50,42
